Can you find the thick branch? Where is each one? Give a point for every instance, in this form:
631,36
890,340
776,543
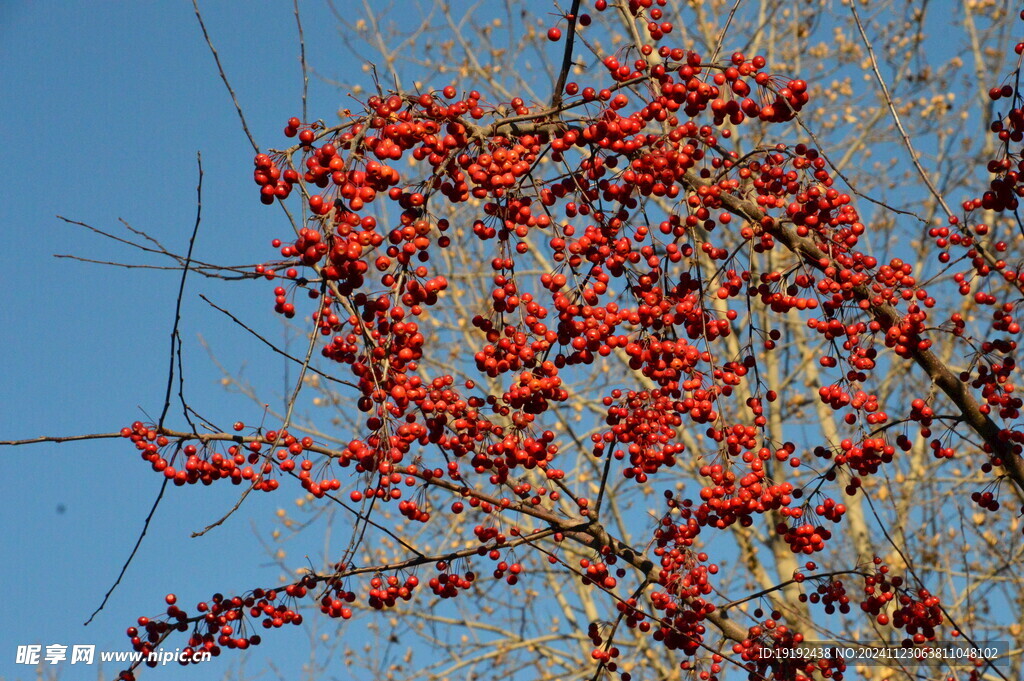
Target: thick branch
887,316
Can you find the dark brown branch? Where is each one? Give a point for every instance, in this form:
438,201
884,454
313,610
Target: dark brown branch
570,40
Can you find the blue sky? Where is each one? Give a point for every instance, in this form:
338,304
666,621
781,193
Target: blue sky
105,107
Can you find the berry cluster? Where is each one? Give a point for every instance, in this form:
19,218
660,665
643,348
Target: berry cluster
202,465
646,424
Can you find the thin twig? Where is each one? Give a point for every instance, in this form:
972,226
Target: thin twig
209,270
302,59
604,483
224,78
725,29
895,116
836,168
58,439
135,549
151,239
273,347
175,338
175,354
111,236
284,426
1018,284
615,627
910,567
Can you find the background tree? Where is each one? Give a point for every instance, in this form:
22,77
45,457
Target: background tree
680,359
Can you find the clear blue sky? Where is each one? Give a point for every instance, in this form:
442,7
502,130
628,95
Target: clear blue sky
105,105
